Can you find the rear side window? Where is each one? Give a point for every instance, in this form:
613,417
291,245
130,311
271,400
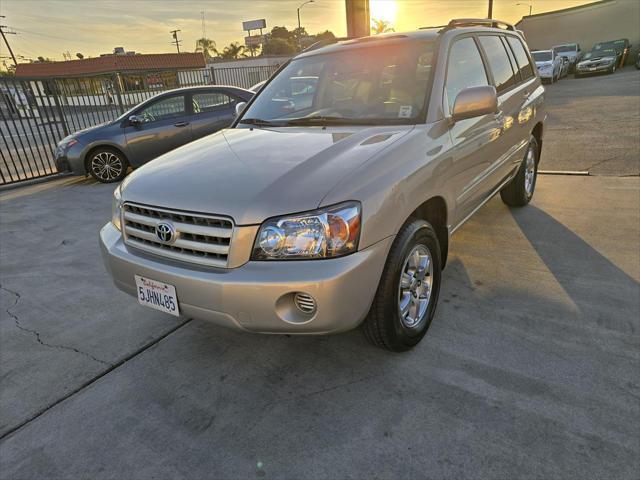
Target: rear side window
209,101
499,63
465,69
526,70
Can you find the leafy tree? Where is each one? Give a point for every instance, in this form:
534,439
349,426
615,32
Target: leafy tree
233,51
279,46
11,70
380,26
206,46
253,50
281,32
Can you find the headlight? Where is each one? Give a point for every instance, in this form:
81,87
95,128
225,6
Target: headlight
116,208
67,142
326,233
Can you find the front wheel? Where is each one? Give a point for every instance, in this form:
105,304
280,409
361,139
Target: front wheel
520,190
107,165
406,299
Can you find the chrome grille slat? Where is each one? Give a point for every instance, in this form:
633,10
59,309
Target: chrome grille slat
201,239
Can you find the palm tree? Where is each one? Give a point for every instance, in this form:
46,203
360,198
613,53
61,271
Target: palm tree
233,51
206,46
380,26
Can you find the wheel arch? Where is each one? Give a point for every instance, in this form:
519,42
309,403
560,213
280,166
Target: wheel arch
537,133
434,210
93,148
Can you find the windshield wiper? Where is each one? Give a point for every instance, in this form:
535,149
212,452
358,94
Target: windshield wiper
259,122
329,120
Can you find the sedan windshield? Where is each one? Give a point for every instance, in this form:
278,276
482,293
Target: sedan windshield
362,86
541,56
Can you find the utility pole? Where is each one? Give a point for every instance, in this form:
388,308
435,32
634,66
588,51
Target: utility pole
176,42
204,29
490,14
2,32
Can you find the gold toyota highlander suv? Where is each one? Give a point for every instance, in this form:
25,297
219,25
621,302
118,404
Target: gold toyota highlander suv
330,202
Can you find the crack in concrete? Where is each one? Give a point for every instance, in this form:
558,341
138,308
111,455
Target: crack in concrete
37,334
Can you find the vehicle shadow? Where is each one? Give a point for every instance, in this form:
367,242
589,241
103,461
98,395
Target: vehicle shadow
594,283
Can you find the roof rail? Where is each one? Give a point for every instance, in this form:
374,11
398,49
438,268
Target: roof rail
324,43
485,22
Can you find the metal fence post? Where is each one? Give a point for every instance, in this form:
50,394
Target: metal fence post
54,89
116,83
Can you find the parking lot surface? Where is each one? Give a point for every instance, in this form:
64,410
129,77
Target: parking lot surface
593,124
530,369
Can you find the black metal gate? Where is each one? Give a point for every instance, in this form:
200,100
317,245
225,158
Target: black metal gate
36,113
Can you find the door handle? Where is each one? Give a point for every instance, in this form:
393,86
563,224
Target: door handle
181,124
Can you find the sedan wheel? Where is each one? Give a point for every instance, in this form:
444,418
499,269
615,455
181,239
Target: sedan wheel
107,166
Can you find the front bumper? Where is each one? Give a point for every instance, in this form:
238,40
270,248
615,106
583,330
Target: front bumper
258,296
597,69
70,159
545,74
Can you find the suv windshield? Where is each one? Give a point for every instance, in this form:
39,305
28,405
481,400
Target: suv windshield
541,56
385,84
565,48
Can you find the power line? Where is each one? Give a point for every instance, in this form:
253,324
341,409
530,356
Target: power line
176,42
2,32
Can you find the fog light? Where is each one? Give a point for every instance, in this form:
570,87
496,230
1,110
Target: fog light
305,303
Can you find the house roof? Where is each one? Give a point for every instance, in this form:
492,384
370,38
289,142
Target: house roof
112,63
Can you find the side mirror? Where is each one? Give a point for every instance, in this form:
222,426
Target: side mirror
135,120
240,107
475,101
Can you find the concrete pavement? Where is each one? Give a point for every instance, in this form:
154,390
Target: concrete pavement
530,369
593,124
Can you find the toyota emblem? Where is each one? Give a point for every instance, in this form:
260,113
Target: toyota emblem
165,232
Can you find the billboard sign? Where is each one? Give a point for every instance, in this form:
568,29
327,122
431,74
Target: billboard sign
254,40
254,24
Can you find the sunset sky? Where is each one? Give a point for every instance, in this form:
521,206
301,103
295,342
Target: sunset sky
50,27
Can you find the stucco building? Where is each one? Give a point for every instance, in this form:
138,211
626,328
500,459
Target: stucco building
586,24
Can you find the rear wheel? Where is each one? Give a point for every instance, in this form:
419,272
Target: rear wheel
520,190
107,165
406,299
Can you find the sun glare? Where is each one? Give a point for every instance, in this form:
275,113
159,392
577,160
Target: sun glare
385,10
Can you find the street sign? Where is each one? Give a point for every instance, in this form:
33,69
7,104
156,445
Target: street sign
254,24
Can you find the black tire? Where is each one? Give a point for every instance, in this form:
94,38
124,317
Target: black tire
516,193
384,326
107,165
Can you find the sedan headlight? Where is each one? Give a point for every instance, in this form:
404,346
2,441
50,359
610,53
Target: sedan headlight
326,233
67,142
116,208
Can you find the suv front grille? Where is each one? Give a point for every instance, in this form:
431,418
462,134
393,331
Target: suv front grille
194,238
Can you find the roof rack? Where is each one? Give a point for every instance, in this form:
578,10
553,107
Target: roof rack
324,43
484,22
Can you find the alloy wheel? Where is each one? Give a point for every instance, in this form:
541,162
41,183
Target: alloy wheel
415,286
107,166
529,172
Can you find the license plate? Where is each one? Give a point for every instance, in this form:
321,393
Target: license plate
157,295
591,69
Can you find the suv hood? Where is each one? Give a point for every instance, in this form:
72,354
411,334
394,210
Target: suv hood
251,174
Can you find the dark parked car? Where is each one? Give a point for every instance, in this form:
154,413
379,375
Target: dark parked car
597,61
162,123
621,46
